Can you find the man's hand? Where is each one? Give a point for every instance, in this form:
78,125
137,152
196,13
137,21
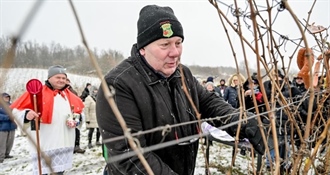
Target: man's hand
31,115
247,93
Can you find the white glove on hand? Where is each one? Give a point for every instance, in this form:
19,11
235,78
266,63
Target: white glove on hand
216,133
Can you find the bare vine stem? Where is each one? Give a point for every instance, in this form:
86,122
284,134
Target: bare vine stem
273,52
309,115
136,147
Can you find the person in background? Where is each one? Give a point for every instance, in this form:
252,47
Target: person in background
7,130
248,95
210,87
299,83
149,94
85,93
216,89
90,113
68,83
77,148
57,127
231,92
203,82
222,86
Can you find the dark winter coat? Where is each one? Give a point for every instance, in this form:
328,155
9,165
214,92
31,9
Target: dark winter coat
286,90
231,96
249,104
147,100
280,114
5,123
84,94
301,86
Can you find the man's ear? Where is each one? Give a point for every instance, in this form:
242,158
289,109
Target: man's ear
142,51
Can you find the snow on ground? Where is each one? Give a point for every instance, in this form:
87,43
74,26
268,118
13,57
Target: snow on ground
92,162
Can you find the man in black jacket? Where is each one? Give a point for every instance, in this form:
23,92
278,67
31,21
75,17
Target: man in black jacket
149,94
85,93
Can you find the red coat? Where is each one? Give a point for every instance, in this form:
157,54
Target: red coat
25,102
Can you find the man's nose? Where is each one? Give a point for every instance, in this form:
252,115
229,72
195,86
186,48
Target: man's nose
175,51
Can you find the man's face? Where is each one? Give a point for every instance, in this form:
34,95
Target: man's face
210,87
222,83
299,80
164,54
58,81
68,82
277,77
6,98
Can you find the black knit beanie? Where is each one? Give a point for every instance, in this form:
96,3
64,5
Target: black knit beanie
209,79
157,22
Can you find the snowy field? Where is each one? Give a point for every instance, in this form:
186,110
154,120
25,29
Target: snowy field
92,162
13,81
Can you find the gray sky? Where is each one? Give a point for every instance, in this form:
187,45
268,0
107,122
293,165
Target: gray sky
112,24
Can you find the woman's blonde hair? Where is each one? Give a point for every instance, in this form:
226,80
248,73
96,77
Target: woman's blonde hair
239,77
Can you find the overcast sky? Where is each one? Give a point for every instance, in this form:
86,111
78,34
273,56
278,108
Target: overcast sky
112,24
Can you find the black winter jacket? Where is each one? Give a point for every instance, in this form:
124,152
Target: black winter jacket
147,100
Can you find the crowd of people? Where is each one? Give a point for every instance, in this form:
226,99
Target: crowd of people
239,89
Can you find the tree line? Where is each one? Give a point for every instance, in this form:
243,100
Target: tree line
35,55
31,54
